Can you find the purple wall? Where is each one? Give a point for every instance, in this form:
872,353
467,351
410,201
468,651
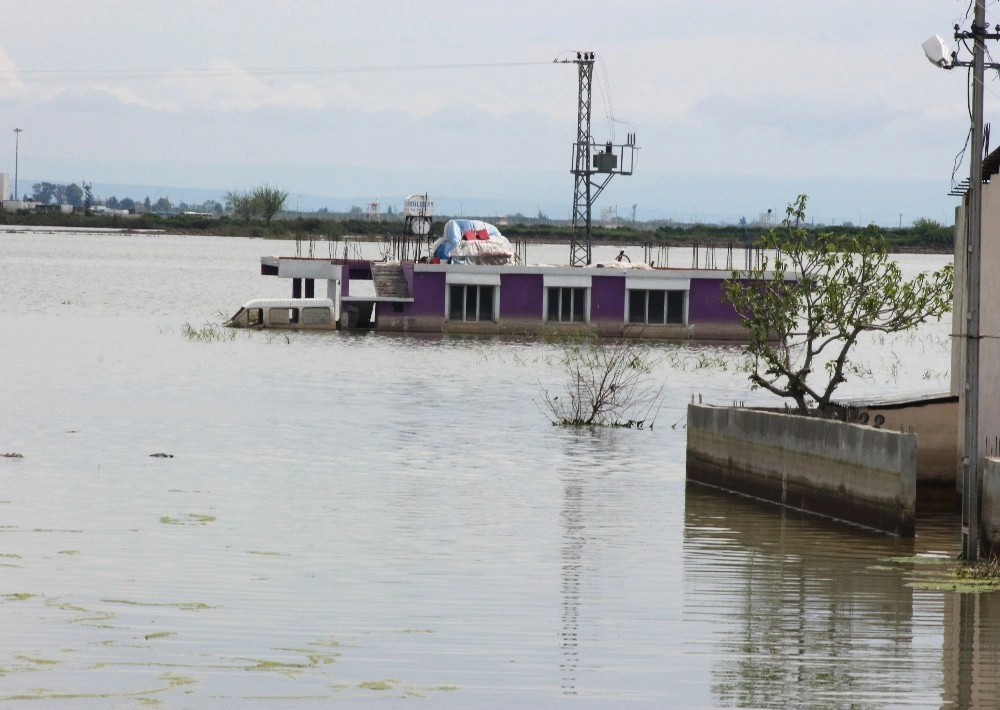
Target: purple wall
521,296
706,304
607,299
428,292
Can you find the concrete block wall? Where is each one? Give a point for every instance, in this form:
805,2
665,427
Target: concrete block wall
850,472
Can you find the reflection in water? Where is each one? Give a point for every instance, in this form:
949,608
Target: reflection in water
971,650
590,513
574,542
808,612
804,611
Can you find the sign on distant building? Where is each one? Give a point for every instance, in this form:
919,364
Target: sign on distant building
418,206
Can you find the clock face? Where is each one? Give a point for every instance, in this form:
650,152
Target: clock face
420,225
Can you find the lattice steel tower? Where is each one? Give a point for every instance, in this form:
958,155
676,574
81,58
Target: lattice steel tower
590,159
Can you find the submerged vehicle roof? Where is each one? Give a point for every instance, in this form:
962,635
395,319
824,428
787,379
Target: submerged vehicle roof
288,303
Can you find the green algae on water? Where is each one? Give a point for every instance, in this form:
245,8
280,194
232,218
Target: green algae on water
159,635
19,596
187,606
187,519
378,684
949,575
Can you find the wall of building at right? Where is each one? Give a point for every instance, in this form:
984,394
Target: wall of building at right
989,324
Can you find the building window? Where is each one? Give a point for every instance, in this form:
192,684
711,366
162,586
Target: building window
655,306
471,302
566,304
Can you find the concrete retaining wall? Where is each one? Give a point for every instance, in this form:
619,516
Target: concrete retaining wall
850,472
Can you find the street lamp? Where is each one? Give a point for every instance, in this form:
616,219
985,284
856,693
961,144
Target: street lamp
17,140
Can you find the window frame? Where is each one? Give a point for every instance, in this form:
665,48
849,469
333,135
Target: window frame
667,309
571,283
578,298
480,316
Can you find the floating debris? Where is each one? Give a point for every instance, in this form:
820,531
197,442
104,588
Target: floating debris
161,455
12,455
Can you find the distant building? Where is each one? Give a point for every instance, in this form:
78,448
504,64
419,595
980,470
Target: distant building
5,187
17,205
109,212
49,209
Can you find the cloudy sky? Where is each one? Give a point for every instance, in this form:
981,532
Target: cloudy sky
738,106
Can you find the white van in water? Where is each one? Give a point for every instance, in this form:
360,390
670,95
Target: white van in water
288,313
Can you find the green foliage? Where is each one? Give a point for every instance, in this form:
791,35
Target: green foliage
813,294
73,195
268,201
263,202
609,384
930,233
162,206
46,192
241,204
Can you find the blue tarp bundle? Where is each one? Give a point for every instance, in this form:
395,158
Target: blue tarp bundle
453,231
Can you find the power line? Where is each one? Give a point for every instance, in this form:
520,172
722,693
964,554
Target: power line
65,75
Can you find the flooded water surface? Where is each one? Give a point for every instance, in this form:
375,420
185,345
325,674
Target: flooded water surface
374,520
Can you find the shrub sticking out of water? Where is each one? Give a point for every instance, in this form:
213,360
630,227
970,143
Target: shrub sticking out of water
208,333
215,333
610,383
986,570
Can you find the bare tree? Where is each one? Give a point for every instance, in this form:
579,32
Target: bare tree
610,383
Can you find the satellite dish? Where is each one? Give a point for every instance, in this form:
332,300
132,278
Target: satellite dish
420,225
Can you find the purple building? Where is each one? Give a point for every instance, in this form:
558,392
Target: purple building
609,300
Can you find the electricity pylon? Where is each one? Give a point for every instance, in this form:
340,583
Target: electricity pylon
593,165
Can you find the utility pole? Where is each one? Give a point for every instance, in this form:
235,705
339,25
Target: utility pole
590,159
974,227
17,142
969,331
